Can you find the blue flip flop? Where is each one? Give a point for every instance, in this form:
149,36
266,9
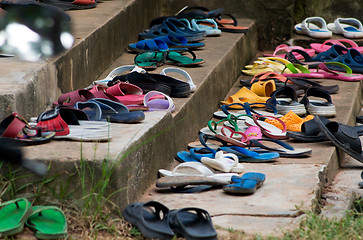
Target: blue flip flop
195,154
149,45
249,156
179,42
247,184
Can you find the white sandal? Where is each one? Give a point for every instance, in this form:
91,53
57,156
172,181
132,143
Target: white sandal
307,27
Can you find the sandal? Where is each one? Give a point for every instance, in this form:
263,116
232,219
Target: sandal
150,218
318,107
288,103
175,58
16,129
286,151
244,95
307,27
149,60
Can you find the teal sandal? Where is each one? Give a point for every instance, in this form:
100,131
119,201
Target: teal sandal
175,58
150,60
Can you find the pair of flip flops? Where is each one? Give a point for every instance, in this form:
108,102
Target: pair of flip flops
155,220
48,222
152,60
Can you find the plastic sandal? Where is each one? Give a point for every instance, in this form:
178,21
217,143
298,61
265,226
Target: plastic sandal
158,104
324,72
178,88
242,96
175,58
249,156
353,59
318,47
264,88
71,98
173,27
149,60
247,184
192,223
179,42
286,151
150,218
208,25
332,53
117,112
268,129
307,27
15,129
182,72
148,45
286,48
68,123
13,215
230,25
348,27
49,222
318,107
292,121
196,169
224,162
342,136
285,105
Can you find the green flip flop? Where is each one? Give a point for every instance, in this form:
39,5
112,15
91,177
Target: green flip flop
149,60
175,58
49,222
13,214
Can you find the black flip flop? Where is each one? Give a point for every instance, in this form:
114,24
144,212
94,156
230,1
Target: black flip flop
150,218
342,136
310,132
192,223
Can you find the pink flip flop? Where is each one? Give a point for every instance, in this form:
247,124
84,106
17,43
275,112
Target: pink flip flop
129,94
324,72
318,47
286,48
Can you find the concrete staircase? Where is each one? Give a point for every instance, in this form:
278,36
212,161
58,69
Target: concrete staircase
139,150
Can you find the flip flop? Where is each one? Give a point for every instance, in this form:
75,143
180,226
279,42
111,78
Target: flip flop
247,184
148,45
307,27
192,223
195,169
175,58
342,136
180,42
225,162
194,154
13,215
48,222
322,47
348,27
16,129
149,60
150,218
249,156
181,181
286,48
182,72
268,129
286,151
